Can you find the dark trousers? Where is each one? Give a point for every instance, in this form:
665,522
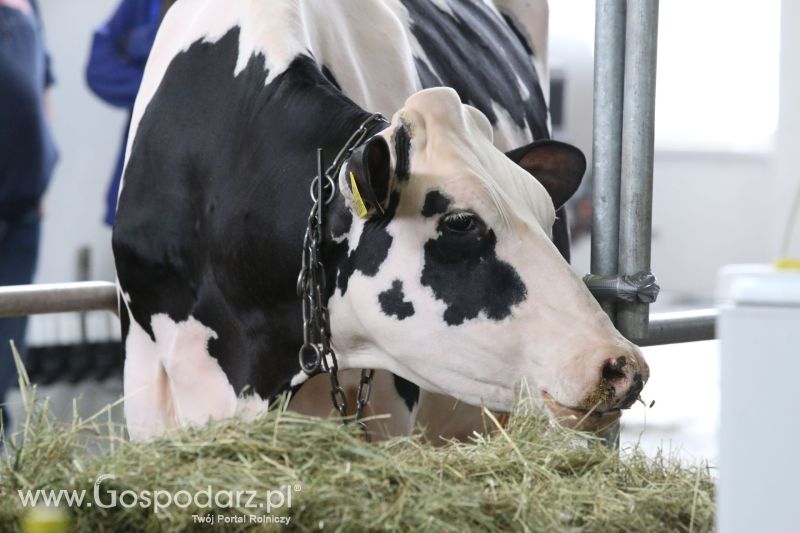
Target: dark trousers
19,250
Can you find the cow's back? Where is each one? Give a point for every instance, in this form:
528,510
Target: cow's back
379,53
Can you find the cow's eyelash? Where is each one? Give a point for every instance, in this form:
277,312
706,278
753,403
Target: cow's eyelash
460,221
458,216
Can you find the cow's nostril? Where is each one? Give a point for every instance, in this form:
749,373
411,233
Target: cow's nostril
614,369
633,392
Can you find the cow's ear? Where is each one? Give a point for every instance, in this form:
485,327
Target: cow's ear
368,177
558,166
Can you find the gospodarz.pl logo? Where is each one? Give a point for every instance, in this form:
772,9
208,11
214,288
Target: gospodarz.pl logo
224,506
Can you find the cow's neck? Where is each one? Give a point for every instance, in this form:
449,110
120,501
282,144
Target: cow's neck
312,114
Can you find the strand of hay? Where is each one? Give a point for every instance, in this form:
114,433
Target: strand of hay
532,477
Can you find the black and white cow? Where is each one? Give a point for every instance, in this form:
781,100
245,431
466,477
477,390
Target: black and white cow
450,281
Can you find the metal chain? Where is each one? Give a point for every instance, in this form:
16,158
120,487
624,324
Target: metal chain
363,393
316,354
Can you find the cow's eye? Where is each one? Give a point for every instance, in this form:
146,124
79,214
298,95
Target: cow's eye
460,221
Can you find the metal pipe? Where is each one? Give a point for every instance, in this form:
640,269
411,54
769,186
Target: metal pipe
19,300
636,180
609,67
680,326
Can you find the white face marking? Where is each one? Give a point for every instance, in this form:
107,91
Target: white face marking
480,360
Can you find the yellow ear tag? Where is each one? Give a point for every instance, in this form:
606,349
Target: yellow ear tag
361,209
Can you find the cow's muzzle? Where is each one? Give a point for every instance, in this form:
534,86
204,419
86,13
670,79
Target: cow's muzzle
621,381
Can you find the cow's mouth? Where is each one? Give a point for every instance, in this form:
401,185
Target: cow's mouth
585,420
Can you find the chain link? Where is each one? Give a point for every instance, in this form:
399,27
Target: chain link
316,354
363,393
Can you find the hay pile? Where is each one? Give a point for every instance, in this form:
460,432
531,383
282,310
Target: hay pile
533,477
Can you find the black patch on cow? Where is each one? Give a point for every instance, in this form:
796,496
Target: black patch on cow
637,384
124,319
209,138
340,220
436,203
518,32
402,151
560,233
464,272
393,302
478,54
427,77
330,77
407,391
373,246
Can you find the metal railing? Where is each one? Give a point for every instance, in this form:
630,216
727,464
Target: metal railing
609,72
19,300
626,33
636,158
679,326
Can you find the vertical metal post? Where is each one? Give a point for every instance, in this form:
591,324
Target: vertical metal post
84,274
636,186
609,69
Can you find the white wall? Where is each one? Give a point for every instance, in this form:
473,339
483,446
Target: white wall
716,196
88,133
787,169
709,209
571,54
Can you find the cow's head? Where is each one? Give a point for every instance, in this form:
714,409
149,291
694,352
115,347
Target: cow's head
450,277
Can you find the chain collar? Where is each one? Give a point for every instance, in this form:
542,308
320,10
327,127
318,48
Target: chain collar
316,354
355,140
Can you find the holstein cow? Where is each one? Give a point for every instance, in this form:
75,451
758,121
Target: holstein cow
437,246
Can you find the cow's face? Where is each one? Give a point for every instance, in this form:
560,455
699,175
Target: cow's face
451,279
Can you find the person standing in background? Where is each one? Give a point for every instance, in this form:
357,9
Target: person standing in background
27,158
116,65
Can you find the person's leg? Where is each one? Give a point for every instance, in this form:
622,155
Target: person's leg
19,248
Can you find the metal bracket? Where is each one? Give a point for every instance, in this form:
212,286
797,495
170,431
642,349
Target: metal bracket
636,288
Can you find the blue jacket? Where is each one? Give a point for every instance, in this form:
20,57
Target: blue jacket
116,66
27,151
